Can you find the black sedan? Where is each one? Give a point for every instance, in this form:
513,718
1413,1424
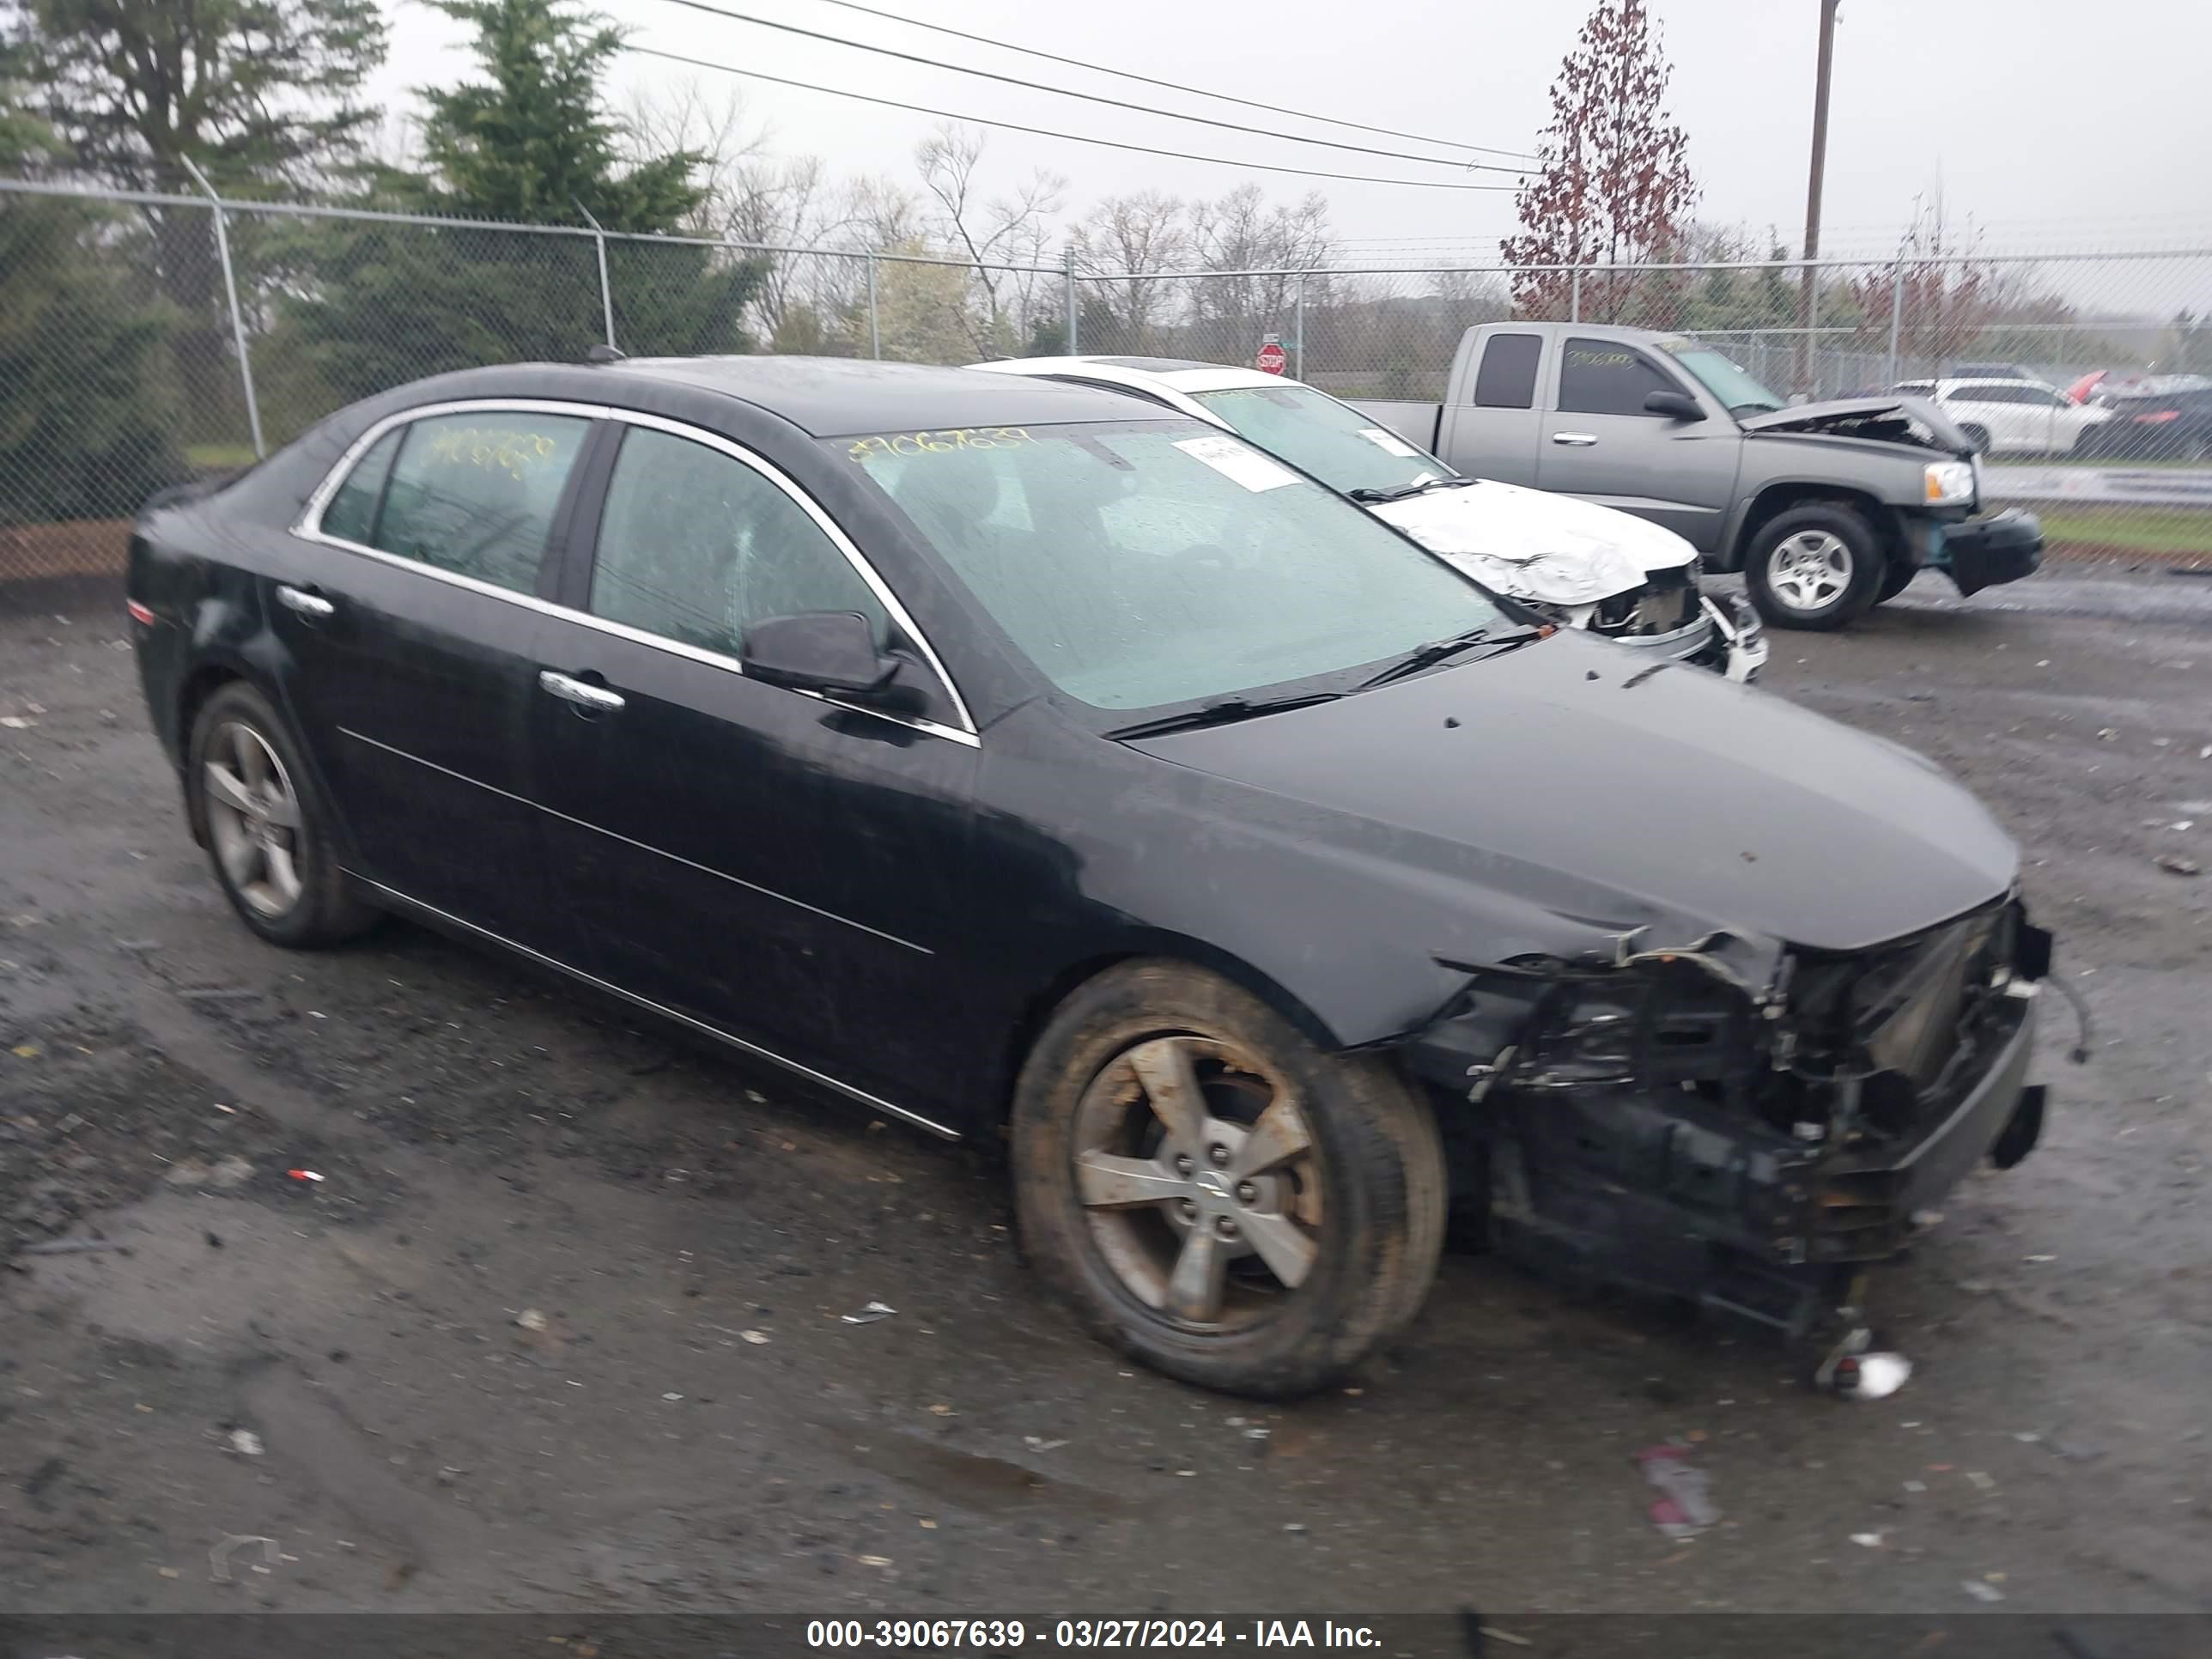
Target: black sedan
1008,758
2161,419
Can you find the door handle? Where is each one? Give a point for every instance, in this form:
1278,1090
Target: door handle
311,605
1575,440
582,693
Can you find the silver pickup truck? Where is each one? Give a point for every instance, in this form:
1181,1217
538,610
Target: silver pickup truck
1827,509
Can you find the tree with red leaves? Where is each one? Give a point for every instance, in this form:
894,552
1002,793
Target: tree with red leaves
1613,184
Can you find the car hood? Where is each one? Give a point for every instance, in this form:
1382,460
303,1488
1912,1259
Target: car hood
1530,545
1571,775
1868,418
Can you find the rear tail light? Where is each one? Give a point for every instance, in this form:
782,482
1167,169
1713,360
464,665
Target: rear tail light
139,613
2157,419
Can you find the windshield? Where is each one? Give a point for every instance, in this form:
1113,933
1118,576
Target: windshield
1739,394
1143,563
1337,444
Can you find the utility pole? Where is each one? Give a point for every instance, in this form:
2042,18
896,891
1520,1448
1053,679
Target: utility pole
1813,189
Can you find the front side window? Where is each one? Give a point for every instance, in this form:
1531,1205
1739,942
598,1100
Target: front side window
1345,449
474,494
696,546
351,514
1142,563
1603,377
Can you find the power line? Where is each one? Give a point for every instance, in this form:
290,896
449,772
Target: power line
1087,97
1174,86
1047,132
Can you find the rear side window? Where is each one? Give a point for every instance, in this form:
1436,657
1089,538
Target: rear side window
1603,377
1507,379
351,514
474,494
696,546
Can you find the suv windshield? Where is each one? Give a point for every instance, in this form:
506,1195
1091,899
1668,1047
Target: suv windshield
1139,564
1739,394
1343,448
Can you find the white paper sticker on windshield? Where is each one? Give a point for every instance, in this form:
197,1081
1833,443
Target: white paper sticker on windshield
1388,442
1239,461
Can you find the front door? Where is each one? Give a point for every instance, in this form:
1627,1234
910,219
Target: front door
790,872
411,620
1600,442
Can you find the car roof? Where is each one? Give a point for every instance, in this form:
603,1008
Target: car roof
838,397
1175,374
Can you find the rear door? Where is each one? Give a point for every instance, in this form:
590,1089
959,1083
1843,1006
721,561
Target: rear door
786,870
1601,443
1492,433
413,622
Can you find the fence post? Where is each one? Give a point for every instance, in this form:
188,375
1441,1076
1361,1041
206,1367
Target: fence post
875,322
606,290
1298,328
1813,330
237,316
1067,282
1896,310
1575,298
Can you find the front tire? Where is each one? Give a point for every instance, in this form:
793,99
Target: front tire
256,808
1896,577
1214,1194
1816,567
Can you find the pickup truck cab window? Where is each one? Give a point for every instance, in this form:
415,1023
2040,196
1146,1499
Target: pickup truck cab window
474,494
1604,377
1507,379
694,546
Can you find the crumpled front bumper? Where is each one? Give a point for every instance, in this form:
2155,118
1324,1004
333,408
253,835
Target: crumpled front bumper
1979,553
1725,635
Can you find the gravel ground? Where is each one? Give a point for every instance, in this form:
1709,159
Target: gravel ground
560,1329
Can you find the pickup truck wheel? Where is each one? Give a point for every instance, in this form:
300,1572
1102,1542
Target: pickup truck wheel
1896,577
1215,1195
1815,566
254,805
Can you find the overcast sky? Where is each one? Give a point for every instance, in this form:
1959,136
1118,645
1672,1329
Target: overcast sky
2052,122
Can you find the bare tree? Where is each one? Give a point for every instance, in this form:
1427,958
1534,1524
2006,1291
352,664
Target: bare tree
1128,241
1612,183
1943,294
1260,253
1001,230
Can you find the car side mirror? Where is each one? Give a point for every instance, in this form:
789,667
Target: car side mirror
1674,405
832,651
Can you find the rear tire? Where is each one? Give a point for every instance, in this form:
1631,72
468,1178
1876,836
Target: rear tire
1816,567
1163,1103
255,807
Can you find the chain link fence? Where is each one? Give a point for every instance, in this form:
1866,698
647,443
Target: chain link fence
147,337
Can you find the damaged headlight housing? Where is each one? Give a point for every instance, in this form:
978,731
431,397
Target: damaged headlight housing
1949,482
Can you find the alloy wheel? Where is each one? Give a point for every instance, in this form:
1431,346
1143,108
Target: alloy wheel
1196,1169
253,818
1809,570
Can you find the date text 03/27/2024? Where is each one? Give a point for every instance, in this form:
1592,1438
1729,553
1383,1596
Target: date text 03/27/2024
1004,1634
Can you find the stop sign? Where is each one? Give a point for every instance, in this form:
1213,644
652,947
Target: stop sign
1271,360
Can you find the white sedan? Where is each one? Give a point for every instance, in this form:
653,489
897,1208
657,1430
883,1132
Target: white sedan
2011,417
1587,566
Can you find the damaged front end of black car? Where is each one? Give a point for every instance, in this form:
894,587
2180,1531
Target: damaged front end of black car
1741,1124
